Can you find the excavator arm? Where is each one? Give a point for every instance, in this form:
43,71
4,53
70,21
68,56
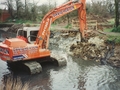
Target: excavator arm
44,32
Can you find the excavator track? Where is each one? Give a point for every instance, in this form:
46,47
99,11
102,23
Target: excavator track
34,67
59,62
31,67
59,59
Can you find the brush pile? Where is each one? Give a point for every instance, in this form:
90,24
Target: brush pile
95,48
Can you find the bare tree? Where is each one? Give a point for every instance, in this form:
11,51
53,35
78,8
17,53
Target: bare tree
26,8
34,12
9,4
43,9
49,4
99,8
18,6
55,4
110,6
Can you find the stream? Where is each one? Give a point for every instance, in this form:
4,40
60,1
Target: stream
77,75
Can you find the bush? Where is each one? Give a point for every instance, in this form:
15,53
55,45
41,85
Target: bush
116,29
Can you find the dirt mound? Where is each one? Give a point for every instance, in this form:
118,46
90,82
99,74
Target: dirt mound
91,50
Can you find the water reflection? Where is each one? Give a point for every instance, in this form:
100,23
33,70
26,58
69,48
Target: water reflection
99,78
3,69
66,78
74,76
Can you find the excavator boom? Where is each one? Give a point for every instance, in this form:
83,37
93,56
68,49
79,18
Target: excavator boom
44,32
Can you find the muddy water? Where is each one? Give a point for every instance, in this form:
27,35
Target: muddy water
77,75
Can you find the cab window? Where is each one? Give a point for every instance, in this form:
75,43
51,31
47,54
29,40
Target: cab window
33,35
22,33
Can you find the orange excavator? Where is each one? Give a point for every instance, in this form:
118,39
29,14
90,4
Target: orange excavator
19,50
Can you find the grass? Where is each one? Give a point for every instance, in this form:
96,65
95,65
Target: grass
111,37
116,29
52,27
108,30
14,84
117,41
111,21
19,21
69,26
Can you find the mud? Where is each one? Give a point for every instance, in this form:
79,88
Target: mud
95,48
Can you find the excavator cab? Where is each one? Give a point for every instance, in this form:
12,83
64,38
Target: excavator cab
28,34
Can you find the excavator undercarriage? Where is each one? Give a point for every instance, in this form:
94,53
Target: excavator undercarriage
34,66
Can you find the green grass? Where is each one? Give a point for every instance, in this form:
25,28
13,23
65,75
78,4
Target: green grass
108,29
69,26
110,22
117,41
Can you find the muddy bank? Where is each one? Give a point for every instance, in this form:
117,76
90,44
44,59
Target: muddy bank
97,48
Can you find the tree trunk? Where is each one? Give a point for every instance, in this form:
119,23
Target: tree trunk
17,9
116,13
26,9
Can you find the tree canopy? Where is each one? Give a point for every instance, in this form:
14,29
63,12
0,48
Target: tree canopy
34,12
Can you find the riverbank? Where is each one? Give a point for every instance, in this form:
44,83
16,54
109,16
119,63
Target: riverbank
98,47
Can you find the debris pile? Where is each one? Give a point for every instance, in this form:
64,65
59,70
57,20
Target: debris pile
97,49
98,18
94,49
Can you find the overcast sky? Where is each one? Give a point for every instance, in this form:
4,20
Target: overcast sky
59,2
